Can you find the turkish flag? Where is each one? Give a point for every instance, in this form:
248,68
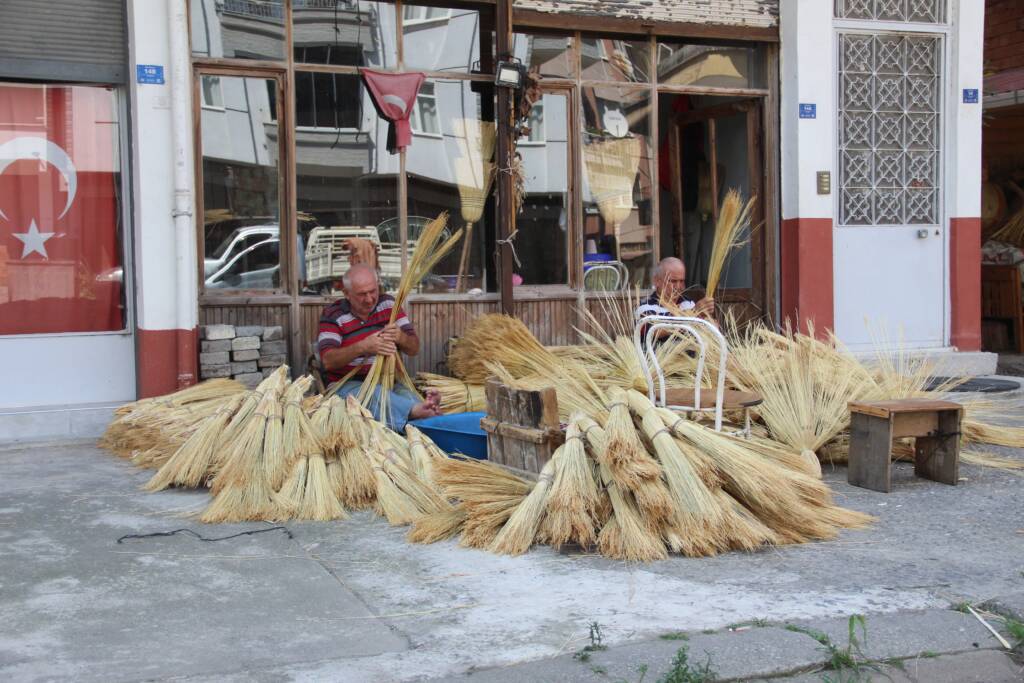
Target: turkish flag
394,96
60,233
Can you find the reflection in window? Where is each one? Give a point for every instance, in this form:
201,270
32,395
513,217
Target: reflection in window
238,29
543,224
459,40
617,176
605,59
550,56
711,66
424,114
347,197
212,95
240,186
454,172
320,100
345,33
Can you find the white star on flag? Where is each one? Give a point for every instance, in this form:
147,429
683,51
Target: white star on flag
33,240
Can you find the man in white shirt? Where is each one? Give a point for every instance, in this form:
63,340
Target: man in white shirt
669,298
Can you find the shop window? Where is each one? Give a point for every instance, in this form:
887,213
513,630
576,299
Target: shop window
608,59
543,224
239,148
347,196
710,66
237,29
550,56
454,172
321,102
345,33
618,222
424,115
61,267
213,96
457,40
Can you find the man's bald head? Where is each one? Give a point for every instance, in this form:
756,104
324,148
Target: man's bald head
362,289
669,277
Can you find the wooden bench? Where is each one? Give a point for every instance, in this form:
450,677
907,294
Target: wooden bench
873,426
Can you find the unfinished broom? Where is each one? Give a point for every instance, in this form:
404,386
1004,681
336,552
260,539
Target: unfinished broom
572,505
519,532
733,218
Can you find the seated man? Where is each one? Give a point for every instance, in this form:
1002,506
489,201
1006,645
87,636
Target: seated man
355,330
669,295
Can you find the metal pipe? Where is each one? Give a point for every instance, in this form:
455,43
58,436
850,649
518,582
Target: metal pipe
186,285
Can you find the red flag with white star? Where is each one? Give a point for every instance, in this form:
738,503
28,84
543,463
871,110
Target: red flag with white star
60,235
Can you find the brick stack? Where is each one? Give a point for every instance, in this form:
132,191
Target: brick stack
247,353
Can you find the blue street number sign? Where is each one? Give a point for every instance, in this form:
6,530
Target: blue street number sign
808,111
970,95
150,73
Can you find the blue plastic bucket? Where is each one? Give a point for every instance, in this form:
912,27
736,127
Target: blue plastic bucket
456,433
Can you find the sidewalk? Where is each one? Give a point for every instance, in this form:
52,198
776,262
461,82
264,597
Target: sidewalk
353,601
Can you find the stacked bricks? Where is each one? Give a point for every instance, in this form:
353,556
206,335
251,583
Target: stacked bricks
247,353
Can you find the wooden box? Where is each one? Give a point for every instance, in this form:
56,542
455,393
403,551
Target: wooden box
522,426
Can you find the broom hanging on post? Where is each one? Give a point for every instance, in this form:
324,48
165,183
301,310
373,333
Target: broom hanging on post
474,175
612,165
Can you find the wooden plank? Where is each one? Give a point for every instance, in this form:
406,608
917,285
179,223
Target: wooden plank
938,457
870,444
905,405
914,424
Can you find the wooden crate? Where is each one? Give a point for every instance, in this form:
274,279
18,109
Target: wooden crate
522,426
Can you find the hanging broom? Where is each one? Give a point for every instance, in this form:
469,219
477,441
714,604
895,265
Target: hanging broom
474,175
611,166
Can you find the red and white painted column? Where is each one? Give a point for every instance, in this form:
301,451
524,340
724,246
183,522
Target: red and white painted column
164,209
963,182
807,68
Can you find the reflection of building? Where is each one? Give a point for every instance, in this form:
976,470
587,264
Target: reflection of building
696,97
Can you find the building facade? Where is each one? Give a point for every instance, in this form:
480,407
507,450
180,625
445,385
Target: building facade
200,170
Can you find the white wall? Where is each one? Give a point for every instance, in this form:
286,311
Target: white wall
963,187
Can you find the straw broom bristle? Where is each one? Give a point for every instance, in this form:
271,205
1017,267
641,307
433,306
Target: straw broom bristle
299,436
626,456
391,503
519,532
244,493
274,448
572,505
437,526
289,497
732,218
485,520
319,501
456,396
422,459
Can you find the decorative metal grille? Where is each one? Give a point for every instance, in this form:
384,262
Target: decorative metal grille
922,11
889,129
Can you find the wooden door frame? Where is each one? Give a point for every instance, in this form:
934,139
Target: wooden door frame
757,294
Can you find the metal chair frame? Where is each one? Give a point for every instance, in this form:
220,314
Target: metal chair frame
645,350
617,267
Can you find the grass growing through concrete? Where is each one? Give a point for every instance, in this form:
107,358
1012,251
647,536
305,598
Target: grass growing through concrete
674,635
849,664
683,671
596,644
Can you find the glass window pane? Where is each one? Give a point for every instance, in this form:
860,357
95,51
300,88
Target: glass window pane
551,56
347,197
711,66
609,59
617,178
60,231
345,32
238,29
454,172
240,187
542,244
459,40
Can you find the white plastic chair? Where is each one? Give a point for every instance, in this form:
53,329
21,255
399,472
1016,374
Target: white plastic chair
645,350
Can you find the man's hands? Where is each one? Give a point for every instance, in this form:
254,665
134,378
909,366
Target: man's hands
705,308
384,343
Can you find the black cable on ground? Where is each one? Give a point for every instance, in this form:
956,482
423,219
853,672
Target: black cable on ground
203,538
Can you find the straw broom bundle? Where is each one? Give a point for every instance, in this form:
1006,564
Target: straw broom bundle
428,252
628,461
391,502
519,532
438,526
474,175
699,520
456,396
274,447
358,486
624,536
426,499
300,438
733,217
487,339
318,501
488,495
611,165
572,505
422,458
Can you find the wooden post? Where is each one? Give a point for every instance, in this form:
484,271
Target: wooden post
937,457
505,189
870,444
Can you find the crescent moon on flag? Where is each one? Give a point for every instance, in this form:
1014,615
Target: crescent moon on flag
40,149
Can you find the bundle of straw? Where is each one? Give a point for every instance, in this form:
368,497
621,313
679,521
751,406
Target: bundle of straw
572,505
385,369
456,396
518,534
733,218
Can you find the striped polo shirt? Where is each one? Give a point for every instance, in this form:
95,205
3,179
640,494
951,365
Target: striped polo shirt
340,327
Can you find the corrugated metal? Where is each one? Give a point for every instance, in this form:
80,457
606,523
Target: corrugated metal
751,13
82,40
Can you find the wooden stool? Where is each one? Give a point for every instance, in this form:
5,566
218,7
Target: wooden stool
873,426
522,426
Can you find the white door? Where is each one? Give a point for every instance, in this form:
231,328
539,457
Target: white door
890,236
65,323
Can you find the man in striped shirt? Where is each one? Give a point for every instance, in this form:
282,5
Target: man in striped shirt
355,330
669,282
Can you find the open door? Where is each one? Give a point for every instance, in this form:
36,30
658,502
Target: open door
714,149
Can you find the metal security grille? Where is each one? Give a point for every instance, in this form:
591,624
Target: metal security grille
889,107
923,11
